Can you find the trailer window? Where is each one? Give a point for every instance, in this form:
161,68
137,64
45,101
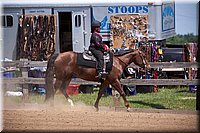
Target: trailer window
77,20
7,21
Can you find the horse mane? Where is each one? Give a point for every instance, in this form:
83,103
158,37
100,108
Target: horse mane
123,52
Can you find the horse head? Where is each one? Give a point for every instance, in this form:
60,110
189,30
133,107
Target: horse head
141,60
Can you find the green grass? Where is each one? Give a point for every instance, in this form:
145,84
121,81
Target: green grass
176,99
173,98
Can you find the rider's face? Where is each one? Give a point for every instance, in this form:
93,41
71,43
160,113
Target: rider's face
98,29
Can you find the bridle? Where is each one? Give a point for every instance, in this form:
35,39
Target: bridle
143,59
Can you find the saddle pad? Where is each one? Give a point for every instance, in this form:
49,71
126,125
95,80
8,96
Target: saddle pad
92,64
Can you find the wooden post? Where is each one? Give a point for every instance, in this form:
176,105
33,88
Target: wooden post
116,98
25,87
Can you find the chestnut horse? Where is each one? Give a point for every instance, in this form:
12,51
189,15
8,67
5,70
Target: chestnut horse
64,66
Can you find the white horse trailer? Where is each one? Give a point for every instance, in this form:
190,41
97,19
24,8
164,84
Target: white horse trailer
73,20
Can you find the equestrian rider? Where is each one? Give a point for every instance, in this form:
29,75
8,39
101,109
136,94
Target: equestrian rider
96,47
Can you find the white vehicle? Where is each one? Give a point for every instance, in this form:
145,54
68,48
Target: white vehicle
73,20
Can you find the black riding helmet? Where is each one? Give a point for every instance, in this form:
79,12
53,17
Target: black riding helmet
96,24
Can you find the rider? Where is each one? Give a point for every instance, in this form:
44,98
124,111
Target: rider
96,47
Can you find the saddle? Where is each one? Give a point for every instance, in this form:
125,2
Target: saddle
87,59
87,55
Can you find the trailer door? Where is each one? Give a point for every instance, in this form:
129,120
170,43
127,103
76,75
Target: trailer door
78,31
9,27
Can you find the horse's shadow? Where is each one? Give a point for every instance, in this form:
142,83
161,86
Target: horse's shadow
182,91
156,106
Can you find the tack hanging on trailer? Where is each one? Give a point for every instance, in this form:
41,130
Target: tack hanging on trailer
36,37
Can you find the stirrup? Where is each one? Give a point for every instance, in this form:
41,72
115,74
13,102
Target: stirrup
99,75
103,74
100,79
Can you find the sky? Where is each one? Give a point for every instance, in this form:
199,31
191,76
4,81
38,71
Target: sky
186,17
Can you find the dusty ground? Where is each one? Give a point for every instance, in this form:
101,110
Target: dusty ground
35,117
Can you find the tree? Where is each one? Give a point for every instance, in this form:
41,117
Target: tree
187,38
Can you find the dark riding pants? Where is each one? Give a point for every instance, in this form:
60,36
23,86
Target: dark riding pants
98,54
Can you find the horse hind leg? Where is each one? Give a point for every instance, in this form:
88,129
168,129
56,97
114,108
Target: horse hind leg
101,91
50,98
61,85
65,84
57,85
55,88
117,85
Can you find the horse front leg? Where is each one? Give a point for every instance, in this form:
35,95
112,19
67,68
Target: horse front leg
101,91
117,85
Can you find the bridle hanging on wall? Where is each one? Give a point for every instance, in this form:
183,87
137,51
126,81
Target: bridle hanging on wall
36,37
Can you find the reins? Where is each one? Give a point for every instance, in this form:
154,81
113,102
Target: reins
140,54
122,61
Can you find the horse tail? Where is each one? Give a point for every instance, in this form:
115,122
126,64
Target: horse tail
49,78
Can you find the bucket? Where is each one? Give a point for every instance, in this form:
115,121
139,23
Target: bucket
72,89
8,75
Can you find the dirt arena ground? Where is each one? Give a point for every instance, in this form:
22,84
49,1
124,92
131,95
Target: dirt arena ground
81,118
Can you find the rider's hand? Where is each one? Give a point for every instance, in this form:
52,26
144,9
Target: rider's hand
106,48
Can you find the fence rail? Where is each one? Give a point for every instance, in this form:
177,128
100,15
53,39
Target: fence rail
123,81
24,64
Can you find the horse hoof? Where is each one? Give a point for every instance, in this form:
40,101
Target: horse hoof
71,102
128,109
96,109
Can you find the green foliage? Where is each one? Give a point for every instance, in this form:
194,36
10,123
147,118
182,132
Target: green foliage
188,38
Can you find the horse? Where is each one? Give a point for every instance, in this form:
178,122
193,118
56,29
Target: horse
64,66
